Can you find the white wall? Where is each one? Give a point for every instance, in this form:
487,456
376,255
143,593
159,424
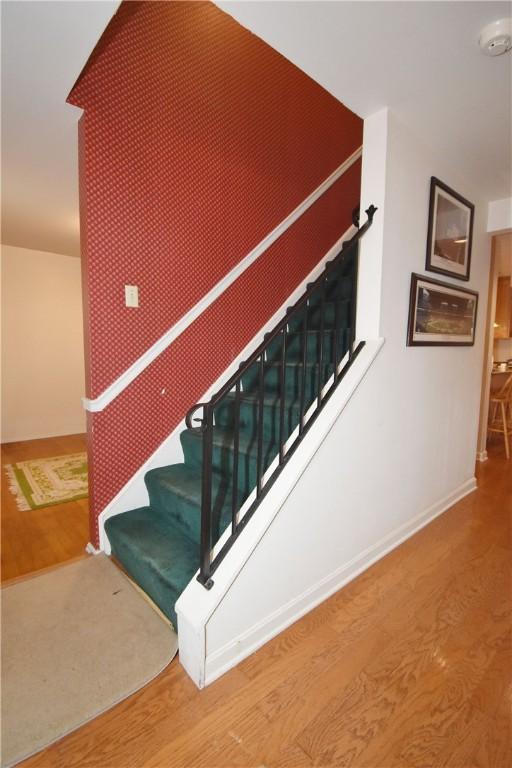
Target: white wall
42,345
499,216
401,451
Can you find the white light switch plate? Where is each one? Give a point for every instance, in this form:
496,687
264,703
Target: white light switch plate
131,295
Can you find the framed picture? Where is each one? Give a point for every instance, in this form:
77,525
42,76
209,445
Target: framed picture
440,314
450,232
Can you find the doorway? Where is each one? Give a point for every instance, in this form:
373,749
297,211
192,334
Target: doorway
497,367
44,509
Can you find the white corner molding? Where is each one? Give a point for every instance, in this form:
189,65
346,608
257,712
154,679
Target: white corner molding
373,191
113,390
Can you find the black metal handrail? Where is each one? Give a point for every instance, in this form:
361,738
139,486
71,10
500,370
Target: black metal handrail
299,310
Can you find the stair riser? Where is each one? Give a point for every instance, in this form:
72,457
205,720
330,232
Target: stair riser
248,419
315,316
293,381
222,461
164,595
294,346
336,286
184,513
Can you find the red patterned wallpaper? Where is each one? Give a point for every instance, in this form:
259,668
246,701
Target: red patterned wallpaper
197,140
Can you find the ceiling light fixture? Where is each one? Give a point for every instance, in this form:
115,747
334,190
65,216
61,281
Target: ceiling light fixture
496,37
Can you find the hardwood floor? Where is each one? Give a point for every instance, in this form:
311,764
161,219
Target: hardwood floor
408,666
41,538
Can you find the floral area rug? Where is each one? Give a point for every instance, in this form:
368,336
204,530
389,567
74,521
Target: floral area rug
41,482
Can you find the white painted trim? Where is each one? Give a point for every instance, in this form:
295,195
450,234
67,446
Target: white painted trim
371,247
131,373
134,493
482,456
242,646
192,641
91,549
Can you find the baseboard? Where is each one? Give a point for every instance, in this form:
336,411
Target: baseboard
133,494
25,438
482,456
236,650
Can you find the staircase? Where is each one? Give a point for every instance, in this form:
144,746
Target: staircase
255,421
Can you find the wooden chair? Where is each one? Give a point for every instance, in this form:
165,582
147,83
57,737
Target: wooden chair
500,413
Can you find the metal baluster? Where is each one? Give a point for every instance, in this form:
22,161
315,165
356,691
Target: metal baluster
282,393
321,344
353,298
259,458
336,333
346,263
236,444
304,371
206,499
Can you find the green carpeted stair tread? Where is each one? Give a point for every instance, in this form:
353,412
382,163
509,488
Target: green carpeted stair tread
222,437
185,481
223,454
250,398
292,381
337,284
175,491
295,340
249,409
157,556
329,316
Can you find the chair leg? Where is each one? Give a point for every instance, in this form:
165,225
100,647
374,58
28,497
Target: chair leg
505,428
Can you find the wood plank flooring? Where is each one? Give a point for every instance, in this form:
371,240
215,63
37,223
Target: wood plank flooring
409,666
41,538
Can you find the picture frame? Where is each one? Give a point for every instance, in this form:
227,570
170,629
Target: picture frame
440,314
450,232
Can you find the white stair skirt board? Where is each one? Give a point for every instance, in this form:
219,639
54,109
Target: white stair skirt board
244,645
196,605
131,373
134,493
